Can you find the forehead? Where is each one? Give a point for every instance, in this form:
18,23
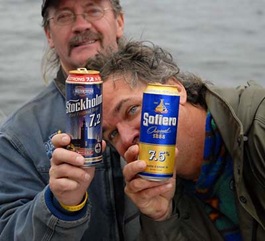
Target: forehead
114,85
118,94
121,82
61,3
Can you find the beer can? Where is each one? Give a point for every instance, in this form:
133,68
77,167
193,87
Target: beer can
84,113
158,131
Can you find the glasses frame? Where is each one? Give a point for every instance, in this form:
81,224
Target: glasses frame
75,15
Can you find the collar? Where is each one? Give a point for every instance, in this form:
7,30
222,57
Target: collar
60,81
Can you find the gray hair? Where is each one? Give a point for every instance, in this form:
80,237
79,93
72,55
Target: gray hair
148,63
50,60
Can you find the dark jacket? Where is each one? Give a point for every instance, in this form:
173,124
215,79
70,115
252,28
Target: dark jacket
240,117
26,202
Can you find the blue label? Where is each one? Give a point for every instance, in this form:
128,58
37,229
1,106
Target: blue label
84,113
159,119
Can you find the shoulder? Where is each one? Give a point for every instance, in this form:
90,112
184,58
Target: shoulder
31,127
37,116
251,105
34,106
244,99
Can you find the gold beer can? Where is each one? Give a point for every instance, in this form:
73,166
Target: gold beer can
158,131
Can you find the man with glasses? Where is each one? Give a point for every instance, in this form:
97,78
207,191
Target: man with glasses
45,195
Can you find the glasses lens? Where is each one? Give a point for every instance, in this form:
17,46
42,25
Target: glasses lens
64,17
94,13
68,17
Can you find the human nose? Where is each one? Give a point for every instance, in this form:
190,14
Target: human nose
83,15
81,22
128,136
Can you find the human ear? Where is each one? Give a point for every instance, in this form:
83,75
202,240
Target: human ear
120,25
49,37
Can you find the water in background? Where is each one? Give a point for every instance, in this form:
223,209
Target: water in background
220,40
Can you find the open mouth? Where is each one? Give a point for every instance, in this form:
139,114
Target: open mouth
82,43
84,38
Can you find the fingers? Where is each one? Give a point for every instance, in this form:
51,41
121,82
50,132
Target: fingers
152,198
65,177
68,171
61,140
132,169
150,188
139,188
68,180
61,155
69,183
104,144
132,153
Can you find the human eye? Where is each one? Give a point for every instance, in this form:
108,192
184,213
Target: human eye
133,110
112,135
64,17
94,12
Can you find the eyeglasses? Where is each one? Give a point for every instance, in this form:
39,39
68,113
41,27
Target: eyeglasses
67,17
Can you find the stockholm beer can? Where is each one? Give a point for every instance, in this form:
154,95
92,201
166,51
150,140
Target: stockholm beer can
84,114
158,131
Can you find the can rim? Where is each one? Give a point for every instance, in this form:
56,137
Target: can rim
170,89
83,71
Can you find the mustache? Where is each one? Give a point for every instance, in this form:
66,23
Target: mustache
83,37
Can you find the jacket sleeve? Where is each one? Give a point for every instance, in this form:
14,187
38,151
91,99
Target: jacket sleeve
254,165
24,194
162,231
188,222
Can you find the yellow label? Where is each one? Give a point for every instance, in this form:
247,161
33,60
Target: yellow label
160,159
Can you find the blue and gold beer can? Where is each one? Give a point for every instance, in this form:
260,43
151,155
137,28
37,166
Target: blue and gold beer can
158,131
84,114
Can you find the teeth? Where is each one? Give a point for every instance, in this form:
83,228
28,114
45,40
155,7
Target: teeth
86,42
91,41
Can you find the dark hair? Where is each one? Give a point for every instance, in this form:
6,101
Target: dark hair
146,62
195,87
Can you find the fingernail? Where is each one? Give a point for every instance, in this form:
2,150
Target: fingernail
141,164
80,160
87,176
65,139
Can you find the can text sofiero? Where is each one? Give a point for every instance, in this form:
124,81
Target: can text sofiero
82,104
158,120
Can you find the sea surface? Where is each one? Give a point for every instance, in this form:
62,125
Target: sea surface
222,41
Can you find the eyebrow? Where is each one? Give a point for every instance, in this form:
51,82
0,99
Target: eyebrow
120,104
88,4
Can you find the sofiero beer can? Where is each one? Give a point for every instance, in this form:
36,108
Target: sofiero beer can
84,113
158,131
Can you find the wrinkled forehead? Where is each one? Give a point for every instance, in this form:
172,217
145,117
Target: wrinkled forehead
55,4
